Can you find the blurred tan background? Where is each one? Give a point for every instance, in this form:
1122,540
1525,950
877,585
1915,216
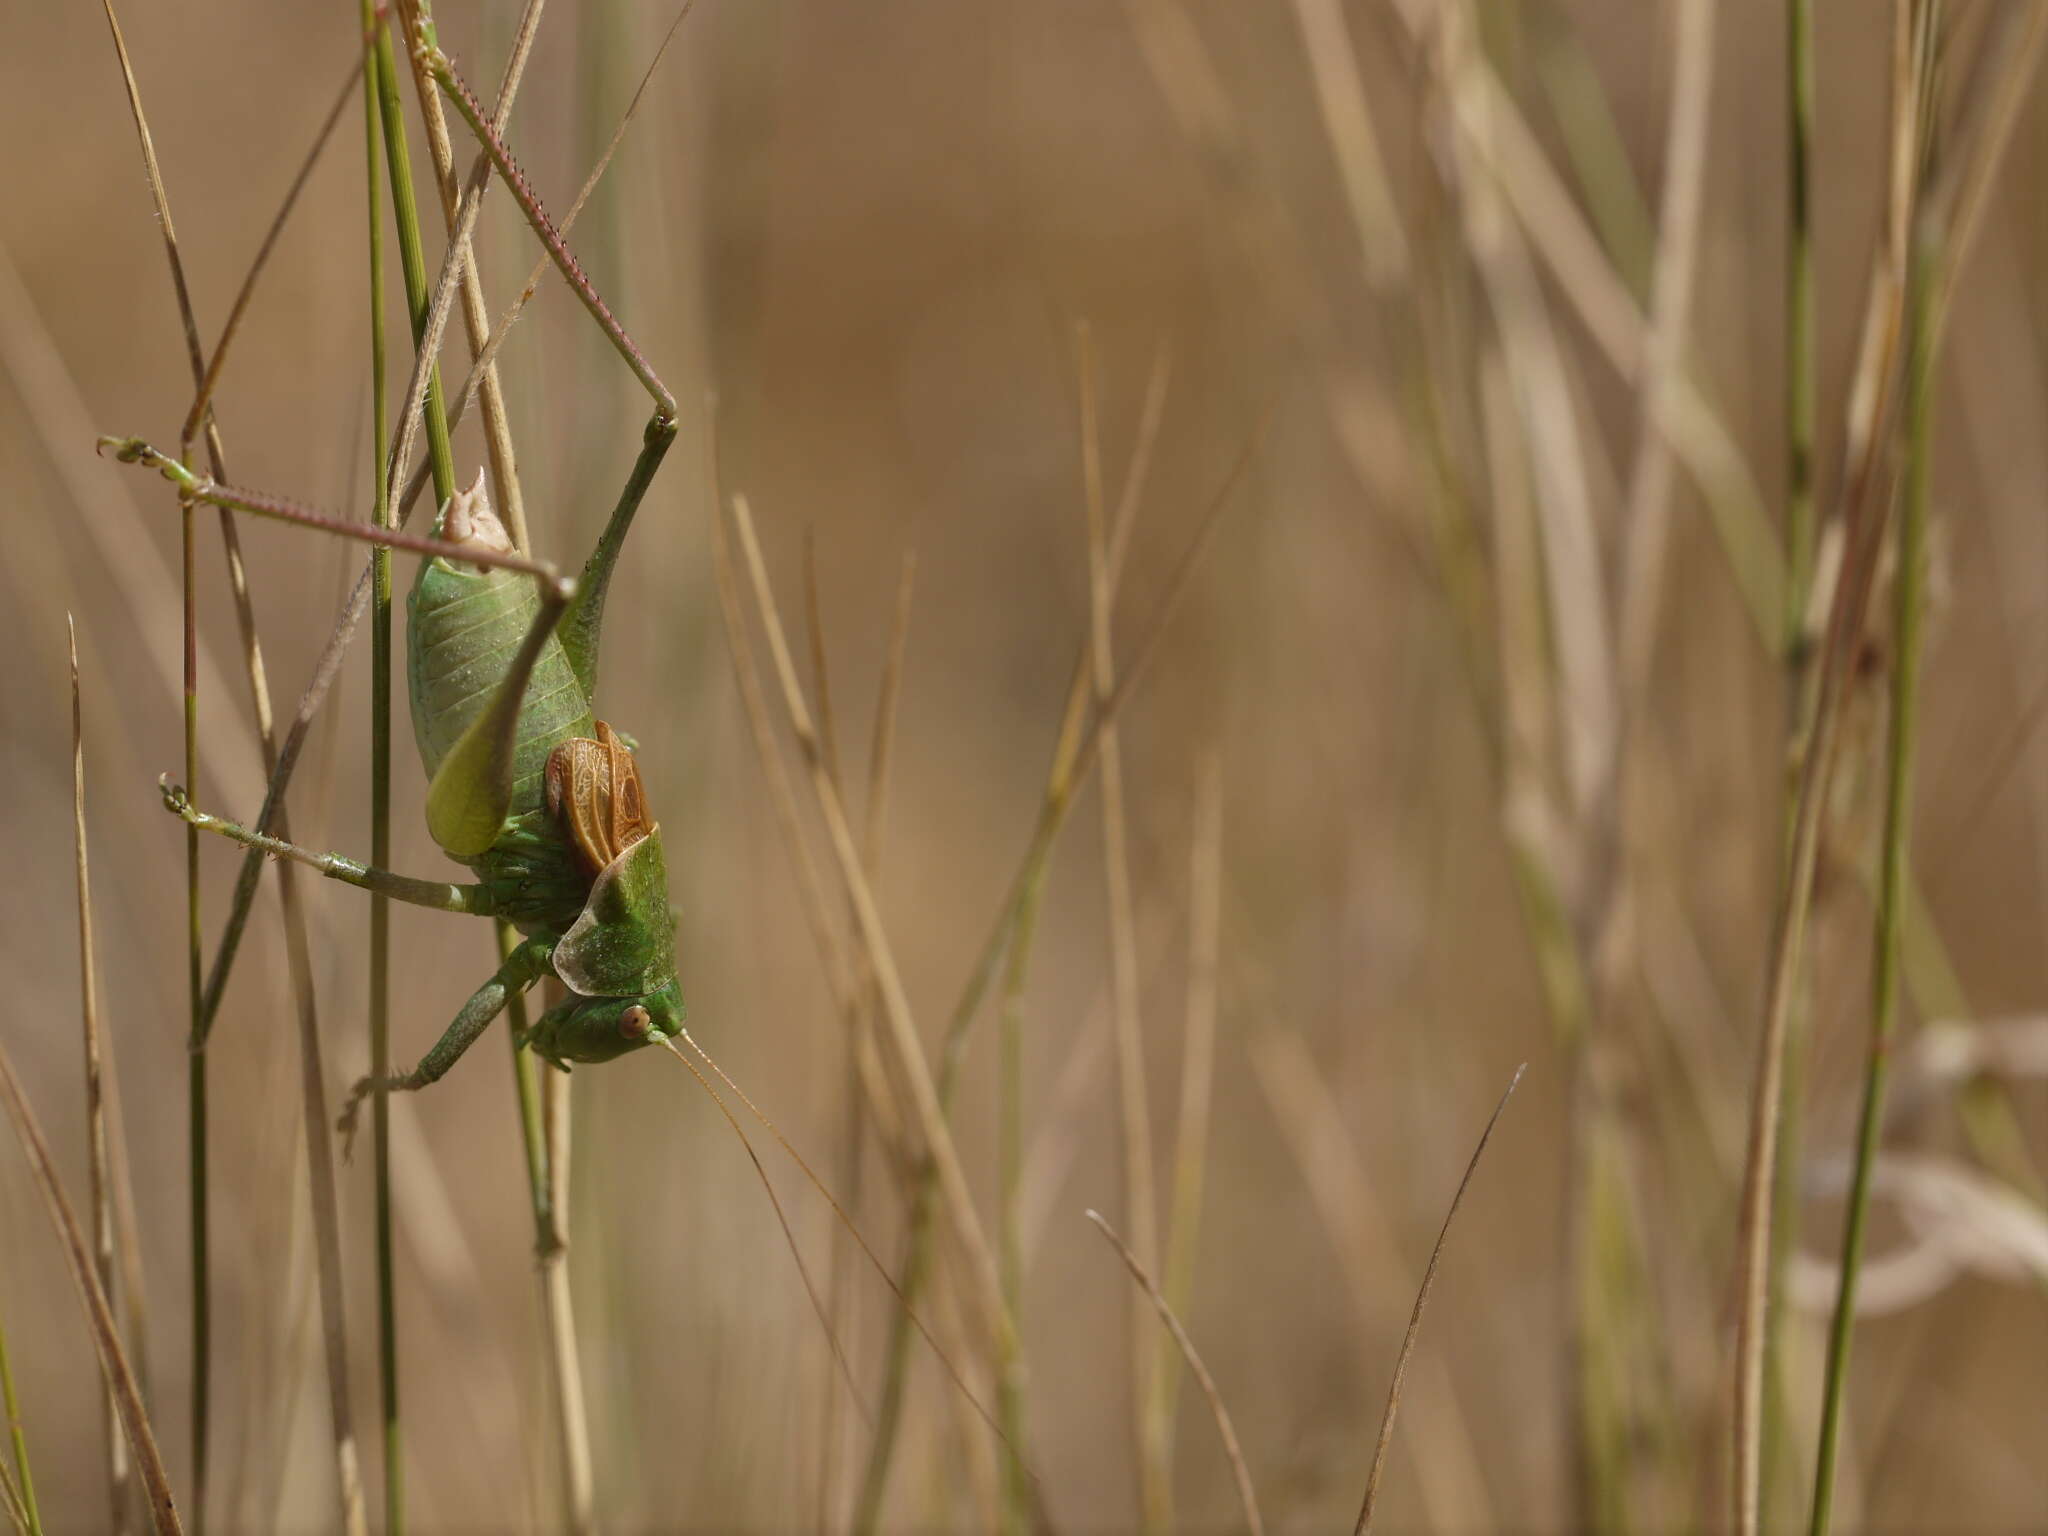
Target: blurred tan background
871,230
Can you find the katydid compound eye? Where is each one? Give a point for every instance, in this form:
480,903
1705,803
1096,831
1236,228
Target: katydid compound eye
635,1022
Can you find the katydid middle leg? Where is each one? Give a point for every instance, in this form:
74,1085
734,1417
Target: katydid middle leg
522,968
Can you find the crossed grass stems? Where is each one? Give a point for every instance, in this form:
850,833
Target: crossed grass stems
939,1166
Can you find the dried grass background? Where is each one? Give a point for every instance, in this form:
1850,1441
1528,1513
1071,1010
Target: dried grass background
871,229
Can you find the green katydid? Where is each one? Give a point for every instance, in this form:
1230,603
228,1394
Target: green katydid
527,787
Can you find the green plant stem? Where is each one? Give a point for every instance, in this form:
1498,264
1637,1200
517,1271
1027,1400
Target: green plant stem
526,1086
405,210
195,1068
380,806
1908,613
20,1440
551,1252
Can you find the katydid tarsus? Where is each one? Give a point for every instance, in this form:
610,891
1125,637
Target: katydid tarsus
527,787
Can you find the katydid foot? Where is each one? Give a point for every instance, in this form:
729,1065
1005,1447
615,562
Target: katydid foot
351,1111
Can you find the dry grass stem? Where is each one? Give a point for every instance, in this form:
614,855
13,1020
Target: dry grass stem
829,941
1134,1115
841,969
99,1315
1648,506
821,673
19,1515
558,1307
1542,395
1231,1450
1347,124
1990,110
857,1009
1386,1436
1509,152
1448,1467
99,1179
882,745
911,1063
1197,1077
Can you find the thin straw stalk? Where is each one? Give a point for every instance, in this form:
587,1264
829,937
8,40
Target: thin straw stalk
10,1503
1232,1451
1386,1435
1009,1187
99,1316
98,1171
1198,1063
1141,1207
896,1006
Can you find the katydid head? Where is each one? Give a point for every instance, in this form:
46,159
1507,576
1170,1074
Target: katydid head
466,518
593,1029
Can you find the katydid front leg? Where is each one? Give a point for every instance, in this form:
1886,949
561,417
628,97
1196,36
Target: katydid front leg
441,895
522,968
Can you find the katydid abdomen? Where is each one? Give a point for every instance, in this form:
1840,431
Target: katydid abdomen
463,628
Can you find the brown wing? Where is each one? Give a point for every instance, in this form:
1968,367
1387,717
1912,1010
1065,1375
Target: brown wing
594,786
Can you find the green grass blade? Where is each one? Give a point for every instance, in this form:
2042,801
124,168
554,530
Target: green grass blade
379,1002
1909,598
26,1488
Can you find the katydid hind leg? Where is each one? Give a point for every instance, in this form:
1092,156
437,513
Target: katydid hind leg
585,618
583,621
522,968
472,113
441,895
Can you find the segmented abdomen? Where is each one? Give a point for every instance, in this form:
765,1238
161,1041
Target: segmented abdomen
463,628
